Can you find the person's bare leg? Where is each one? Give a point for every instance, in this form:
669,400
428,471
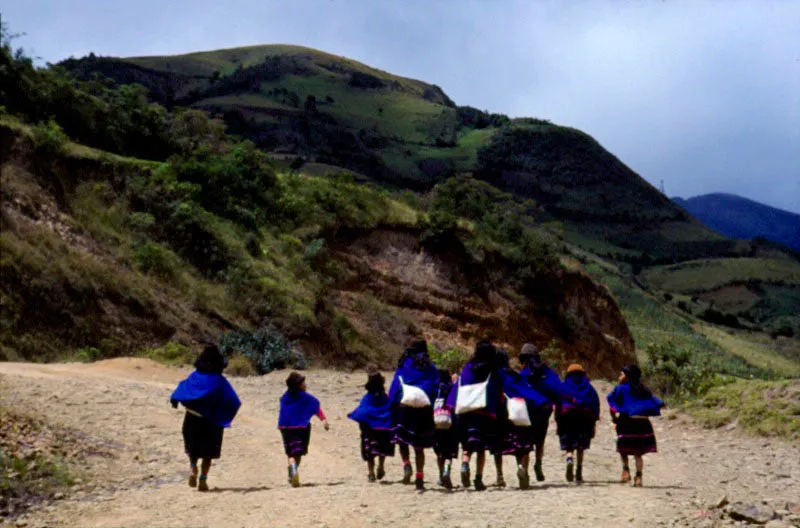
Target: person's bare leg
480,463
498,466
294,474
465,458
371,469
639,468
192,472
522,470
405,456
440,463
205,466
579,468
381,470
570,465
537,466
626,470
419,459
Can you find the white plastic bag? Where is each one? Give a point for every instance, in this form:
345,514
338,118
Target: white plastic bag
414,396
518,411
442,417
472,397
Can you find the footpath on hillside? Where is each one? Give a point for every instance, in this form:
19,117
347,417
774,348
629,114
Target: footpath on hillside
139,480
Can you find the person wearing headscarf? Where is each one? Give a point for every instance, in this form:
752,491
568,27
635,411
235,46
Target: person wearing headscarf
413,423
374,418
297,407
211,405
577,419
478,428
630,404
446,443
517,440
547,383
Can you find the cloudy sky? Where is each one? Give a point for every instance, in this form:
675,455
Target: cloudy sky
704,95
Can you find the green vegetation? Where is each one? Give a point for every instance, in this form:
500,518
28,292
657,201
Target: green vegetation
706,275
767,408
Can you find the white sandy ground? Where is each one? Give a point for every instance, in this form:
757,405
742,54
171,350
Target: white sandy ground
123,403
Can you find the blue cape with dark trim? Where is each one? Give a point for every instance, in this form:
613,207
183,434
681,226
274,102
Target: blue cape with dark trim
297,409
209,395
374,411
426,379
623,399
515,386
583,396
494,391
546,383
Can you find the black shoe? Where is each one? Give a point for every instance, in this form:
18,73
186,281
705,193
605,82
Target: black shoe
479,485
407,474
465,474
381,473
419,484
371,477
447,483
579,475
537,468
570,470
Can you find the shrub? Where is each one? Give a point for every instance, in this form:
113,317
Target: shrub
675,373
266,348
50,139
155,259
452,359
88,354
240,366
172,353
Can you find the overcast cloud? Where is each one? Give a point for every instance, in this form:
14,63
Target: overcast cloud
704,95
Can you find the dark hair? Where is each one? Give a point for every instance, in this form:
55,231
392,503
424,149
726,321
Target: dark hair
445,376
375,381
484,358
501,359
530,357
211,361
634,377
417,350
294,381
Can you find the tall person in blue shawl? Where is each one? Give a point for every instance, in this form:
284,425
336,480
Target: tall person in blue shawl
478,427
294,421
412,394
518,440
211,404
547,383
374,417
630,404
577,419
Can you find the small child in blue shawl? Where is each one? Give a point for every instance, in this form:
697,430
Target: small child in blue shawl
577,418
294,422
211,404
374,417
630,404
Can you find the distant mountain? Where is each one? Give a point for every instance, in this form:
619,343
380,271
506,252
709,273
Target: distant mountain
741,218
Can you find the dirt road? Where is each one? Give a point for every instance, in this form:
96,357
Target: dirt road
123,404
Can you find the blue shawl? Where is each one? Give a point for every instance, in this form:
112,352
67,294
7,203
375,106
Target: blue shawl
623,399
426,379
515,386
374,411
471,375
582,395
297,409
547,383
209,395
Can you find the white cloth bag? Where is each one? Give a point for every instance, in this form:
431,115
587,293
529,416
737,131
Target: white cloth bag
518,411
472,397
414,396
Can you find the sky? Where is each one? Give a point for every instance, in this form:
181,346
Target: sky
704,95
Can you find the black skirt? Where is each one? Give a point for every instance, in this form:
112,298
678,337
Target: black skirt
575,430
446,445
540,421
478,432
376,443
201,438
635,436
295,440
516,440
414,427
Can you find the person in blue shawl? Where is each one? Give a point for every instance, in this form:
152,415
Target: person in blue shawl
547,383
446,443
630,404
517,440
478,429
211,405
294,421
413,423
577,419
374,418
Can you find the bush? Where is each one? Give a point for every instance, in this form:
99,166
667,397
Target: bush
240,366
50,139
155,259
172,353
452,359
266,348
675,372
88,355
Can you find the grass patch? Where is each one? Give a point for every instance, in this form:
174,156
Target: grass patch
705,275
766,408
761,354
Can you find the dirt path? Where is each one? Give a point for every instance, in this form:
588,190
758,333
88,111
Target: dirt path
123,403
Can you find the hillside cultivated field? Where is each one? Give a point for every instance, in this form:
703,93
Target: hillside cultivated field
708,274
122,404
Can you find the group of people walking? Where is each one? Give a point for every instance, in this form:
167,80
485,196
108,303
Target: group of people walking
487,408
